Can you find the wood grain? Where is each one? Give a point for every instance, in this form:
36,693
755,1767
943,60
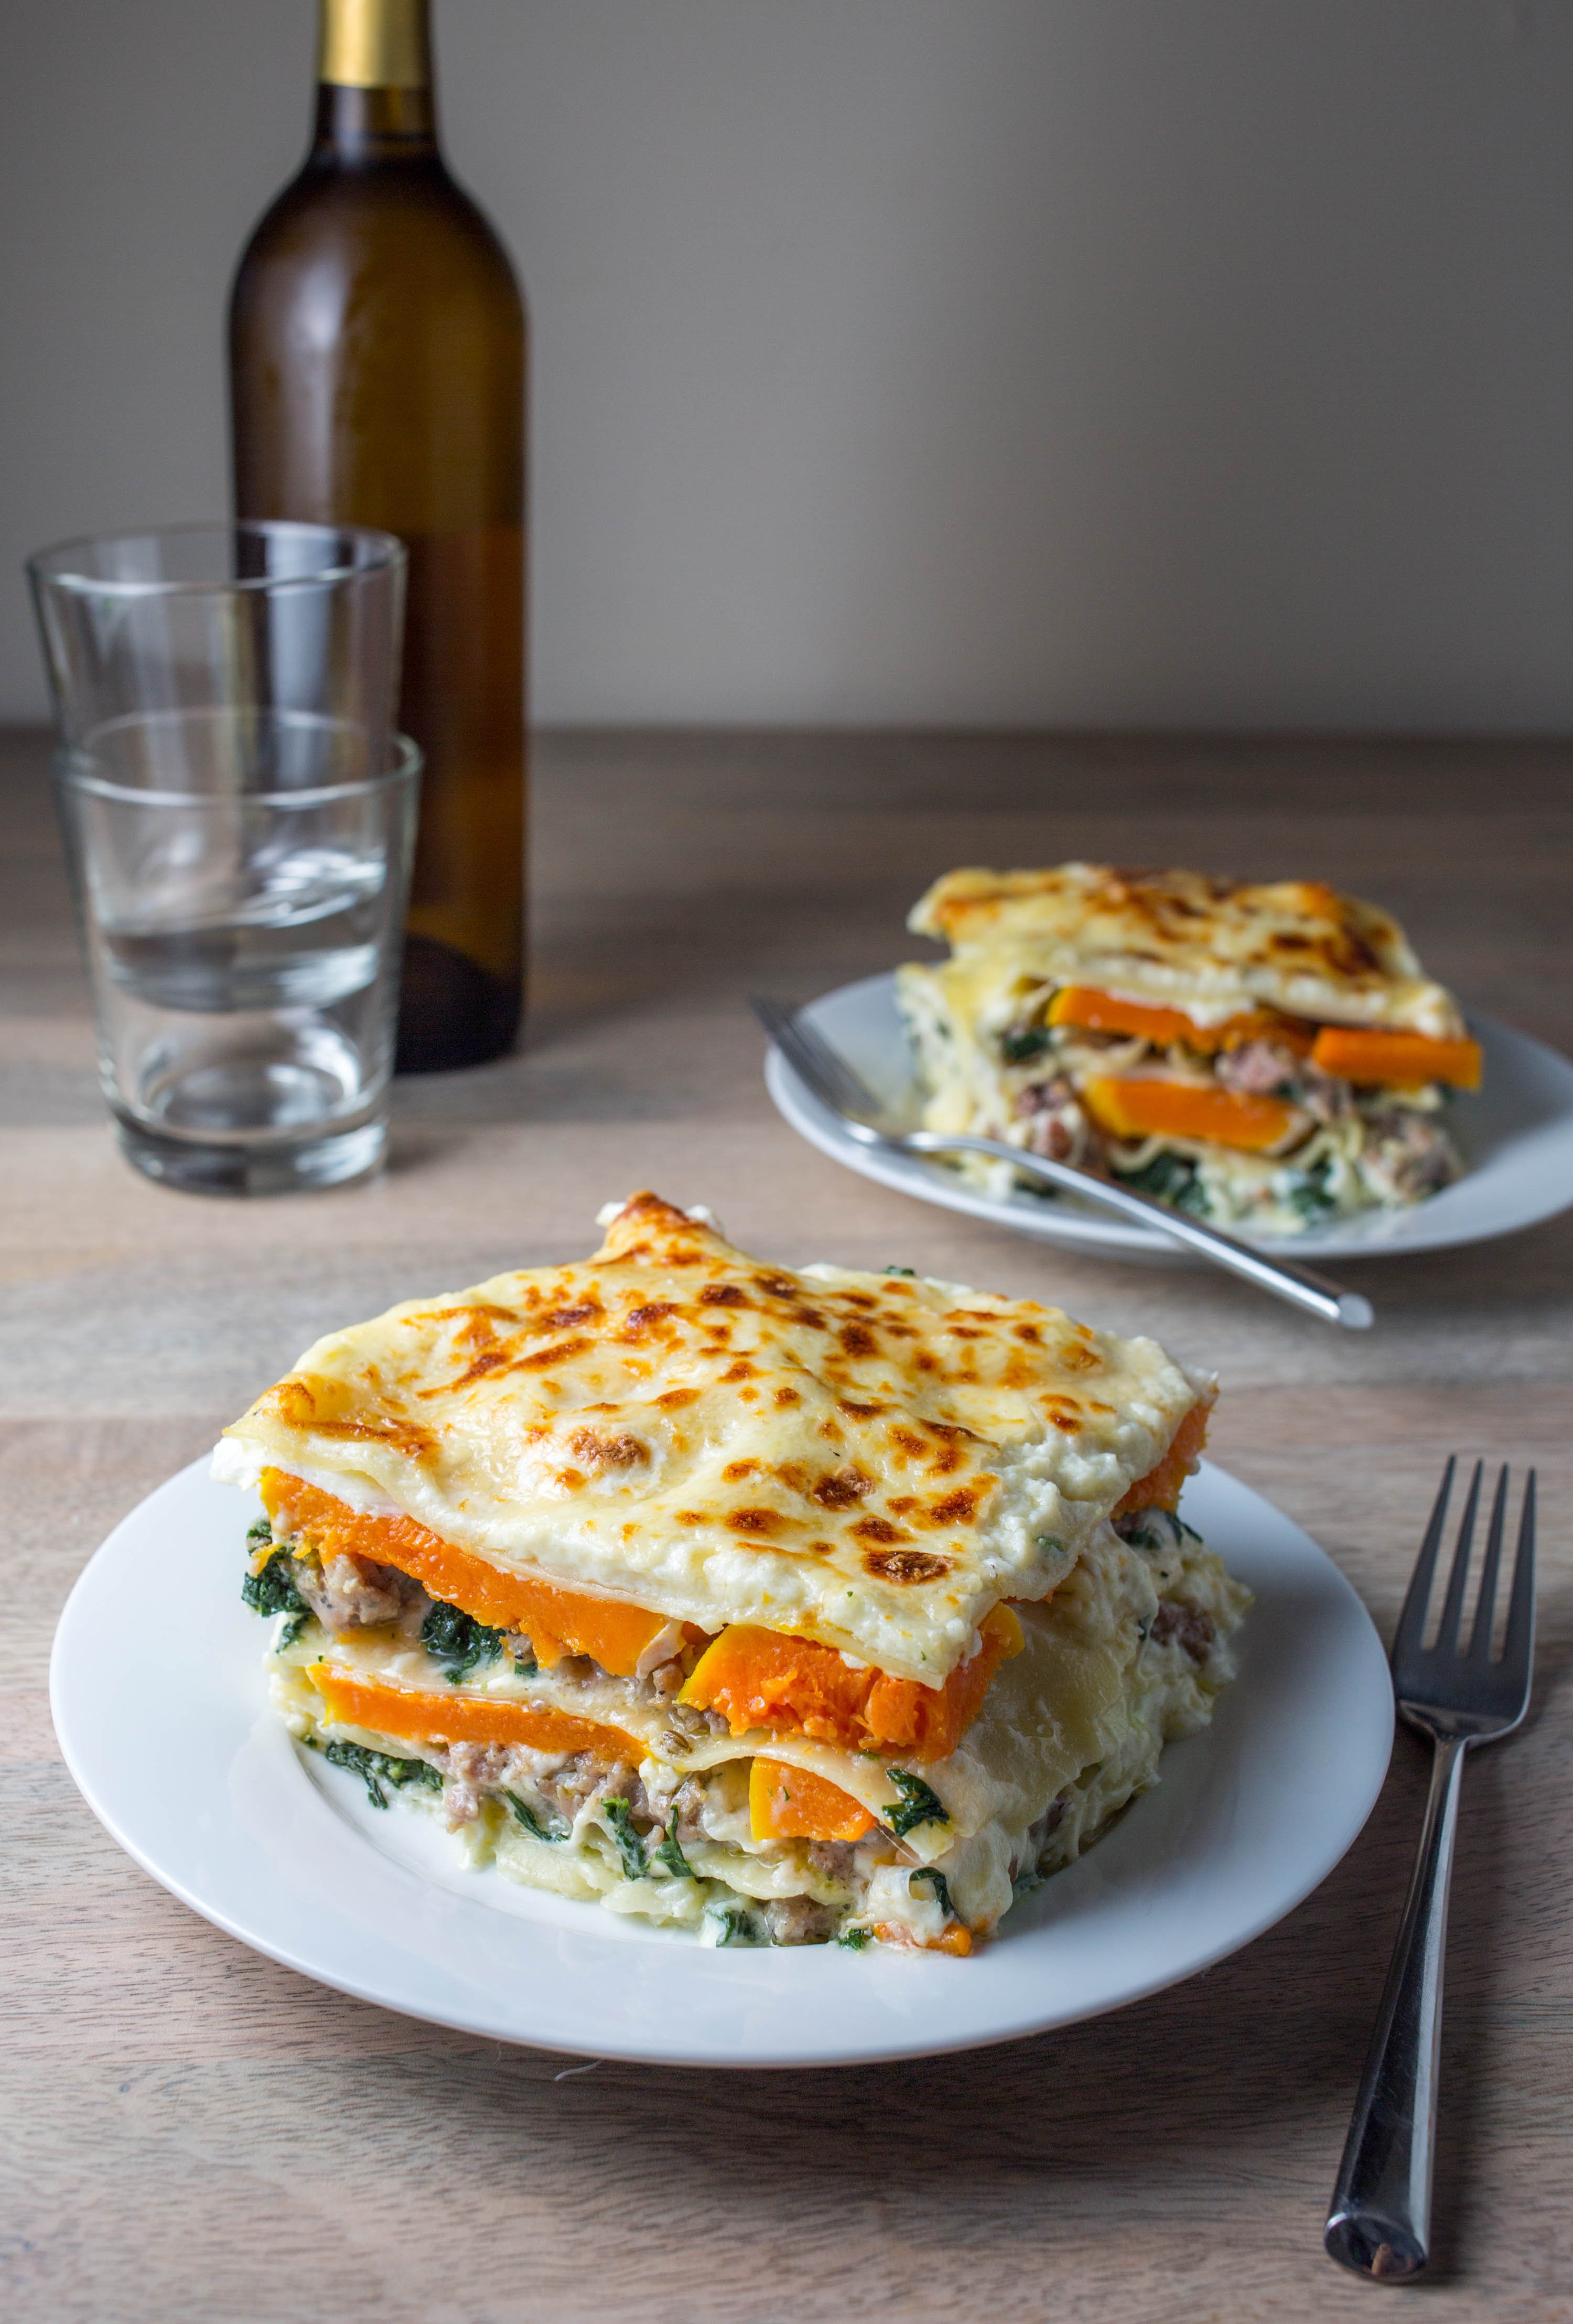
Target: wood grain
194,2132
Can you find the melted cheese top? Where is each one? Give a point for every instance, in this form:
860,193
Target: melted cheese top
866,1459
1210,947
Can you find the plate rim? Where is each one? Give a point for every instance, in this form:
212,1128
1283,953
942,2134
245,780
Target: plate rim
1090,1235
1359,1807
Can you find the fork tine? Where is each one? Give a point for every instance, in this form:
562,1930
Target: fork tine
831,1063
827,1073
777,1024
781,1024
1486,1605
1518,1647
773,1015
1453,1604
1410,1628
811,1055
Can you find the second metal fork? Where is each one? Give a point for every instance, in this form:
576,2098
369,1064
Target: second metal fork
1380,2221
827,1076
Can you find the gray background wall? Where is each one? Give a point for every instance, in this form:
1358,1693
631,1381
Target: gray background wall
1132,362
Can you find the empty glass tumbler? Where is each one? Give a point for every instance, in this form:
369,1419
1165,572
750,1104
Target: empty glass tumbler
239,817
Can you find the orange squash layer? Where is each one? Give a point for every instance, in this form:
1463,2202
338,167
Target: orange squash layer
351,1702
1145,1107
1398,1060
558,1621
1105,1012
763,1679
957,1939
1160,1488
786,1802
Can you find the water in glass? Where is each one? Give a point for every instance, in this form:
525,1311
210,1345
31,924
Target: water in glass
241,877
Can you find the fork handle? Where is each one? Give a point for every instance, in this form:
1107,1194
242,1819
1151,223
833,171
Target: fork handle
1282,1276
1381,2217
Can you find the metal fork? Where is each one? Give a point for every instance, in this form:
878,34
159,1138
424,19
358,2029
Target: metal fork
1380,2222
832,1080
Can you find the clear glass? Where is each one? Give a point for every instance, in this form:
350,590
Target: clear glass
242,910
240,819
307,617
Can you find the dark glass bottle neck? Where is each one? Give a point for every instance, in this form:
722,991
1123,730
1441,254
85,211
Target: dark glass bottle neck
373,125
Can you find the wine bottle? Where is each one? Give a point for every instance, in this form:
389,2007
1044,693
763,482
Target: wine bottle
377,377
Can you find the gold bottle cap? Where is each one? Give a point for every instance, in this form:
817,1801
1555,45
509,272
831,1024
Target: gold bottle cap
375,43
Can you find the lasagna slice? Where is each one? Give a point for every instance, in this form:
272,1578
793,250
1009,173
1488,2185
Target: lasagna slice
1267,1055
779,1606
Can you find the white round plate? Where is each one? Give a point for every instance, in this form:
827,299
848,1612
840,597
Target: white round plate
1516,1135
159,1701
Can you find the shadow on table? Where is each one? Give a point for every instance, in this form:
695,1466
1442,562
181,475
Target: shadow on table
1190,2087
1175,2103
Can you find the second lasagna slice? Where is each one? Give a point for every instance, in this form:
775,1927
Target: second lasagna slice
1271,1056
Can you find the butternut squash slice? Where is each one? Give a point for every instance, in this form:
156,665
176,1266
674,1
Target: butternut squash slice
786,1802
1145,1107
557,1621
759,1678
1400,1060
351,1700
1108,1012
1160,1488
954,1939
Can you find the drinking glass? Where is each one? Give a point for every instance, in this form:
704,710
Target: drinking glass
239,817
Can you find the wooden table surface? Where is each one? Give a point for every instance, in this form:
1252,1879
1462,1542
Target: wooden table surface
194,2132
